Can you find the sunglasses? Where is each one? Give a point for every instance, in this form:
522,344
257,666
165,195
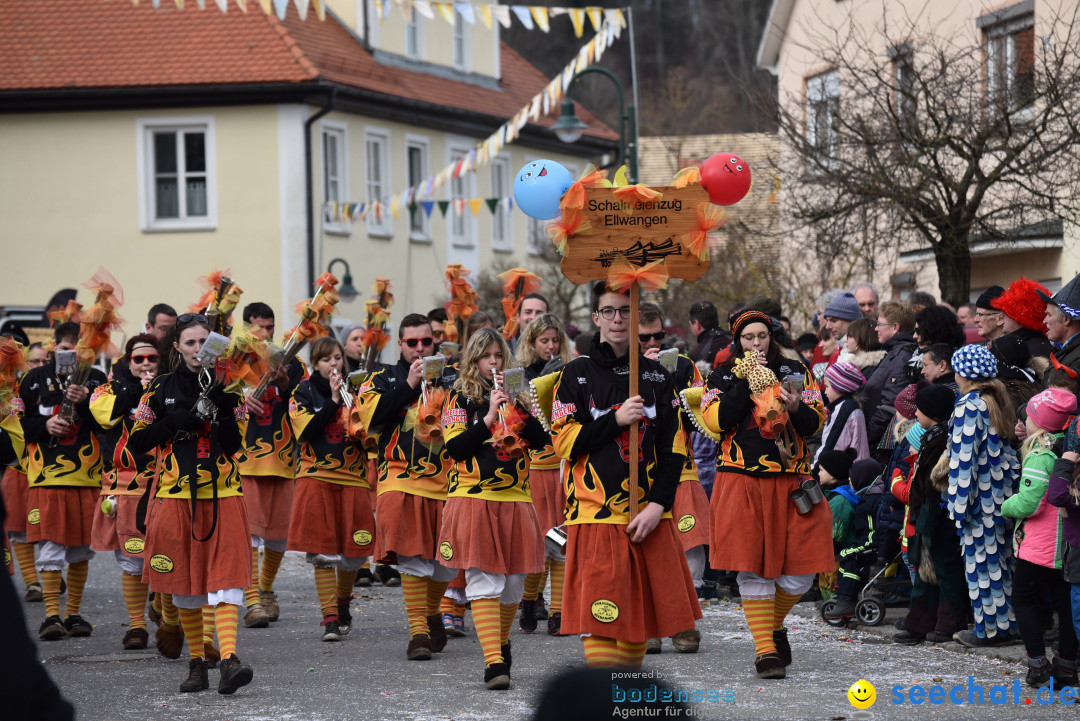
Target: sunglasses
646,337
153,358
412,342
188,317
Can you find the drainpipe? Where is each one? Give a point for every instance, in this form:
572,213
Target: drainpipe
309,187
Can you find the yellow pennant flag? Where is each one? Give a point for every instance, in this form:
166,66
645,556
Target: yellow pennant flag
485,15
265,4
540,15
475,204
596,16
577,17
591,45
395,206
179,4
242,4
379,10
447,11
320,9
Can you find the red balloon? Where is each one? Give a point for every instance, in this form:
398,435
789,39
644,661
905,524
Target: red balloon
726,178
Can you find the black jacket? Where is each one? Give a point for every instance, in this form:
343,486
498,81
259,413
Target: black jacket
885,384
709,343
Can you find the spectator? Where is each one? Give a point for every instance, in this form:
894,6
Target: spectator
867,297
160,319
1013,360
937,365
838,316
1023,312
845,425
864,346
933,324
1063,323
990,320
919,300
438,319
705,325
966,315
896,321
805,344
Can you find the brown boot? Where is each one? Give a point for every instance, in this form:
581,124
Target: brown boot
210,651
135,638
256,616
436,632
687,641
268,599
197,679
169,640
419,648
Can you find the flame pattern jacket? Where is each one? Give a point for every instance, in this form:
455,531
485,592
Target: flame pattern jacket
319,425
269,445
114,405
542,457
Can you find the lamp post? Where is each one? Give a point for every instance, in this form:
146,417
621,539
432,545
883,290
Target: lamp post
569,127
346,290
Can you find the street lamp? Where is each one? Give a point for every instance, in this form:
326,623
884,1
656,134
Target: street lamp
569,127
346,290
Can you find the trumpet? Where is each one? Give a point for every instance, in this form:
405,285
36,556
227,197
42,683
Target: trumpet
347,398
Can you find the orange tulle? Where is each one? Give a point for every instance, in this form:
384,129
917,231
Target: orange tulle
70,313
709,218
574,198
375,337
326,282
519,282
463,299
687,176
12,363
506,431
652,276
104,284
638,193
562,229
769,411
429,416
510,329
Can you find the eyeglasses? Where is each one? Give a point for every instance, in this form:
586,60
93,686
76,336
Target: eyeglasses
646,337
608,313
412,342
750,337
188,317
879,324
980,314
153,358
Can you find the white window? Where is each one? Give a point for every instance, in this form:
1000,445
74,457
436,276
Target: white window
335,176
462,223
175,159
822,111
462,59
1010,61
414,36
377,172
416,161
501,233
537,236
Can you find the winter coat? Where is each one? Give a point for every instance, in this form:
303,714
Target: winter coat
868,362
885,384
842,501
709,344
1058,494
1069,354
852,434
1038,536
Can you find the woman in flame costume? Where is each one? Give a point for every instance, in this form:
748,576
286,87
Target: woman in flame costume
332,519
545,345
489,526
126,476
198,540
756,528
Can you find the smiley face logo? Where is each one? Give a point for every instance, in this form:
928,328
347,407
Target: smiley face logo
862,694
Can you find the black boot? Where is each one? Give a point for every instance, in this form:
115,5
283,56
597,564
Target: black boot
1039,672
233,675
1064,672
197,680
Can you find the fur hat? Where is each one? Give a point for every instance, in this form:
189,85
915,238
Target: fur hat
1022,303
974,362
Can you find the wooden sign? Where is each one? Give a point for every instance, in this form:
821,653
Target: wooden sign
639,231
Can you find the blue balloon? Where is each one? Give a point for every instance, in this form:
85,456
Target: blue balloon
539,186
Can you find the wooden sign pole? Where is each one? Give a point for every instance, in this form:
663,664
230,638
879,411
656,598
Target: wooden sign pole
635,372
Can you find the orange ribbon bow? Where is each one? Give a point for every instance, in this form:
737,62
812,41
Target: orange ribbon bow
709,218
623,275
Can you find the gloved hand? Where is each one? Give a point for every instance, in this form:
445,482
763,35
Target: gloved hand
183,421
219,397
553,366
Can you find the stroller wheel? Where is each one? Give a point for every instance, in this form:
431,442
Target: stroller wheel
870,612
828,606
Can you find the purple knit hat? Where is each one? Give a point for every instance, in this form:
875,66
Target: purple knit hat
844,377
905,401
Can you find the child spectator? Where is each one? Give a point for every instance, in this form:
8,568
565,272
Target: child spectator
861,551
845,425
833,470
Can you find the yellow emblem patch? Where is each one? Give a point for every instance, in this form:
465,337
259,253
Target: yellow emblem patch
34,516
134,545
605,611
361,538
7,557
446,550
161,563
686,523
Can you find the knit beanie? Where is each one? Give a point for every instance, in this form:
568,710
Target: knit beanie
347,331
844,307
837,463
864,472
746,318
905,402
988,296
1052,409
974,362
844,377
914,436
936,402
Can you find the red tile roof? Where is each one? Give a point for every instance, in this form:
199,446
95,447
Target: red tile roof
96,44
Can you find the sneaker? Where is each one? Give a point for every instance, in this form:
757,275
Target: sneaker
497,677
769,665
77,627
419,648
527,620
169,640
554,624
52,629
363,578
939,637
436,633
234,674
783,647
34,593
454,625
506,655
1064,672
908,638
844,609
268,600
135,638
197,679
256,616
653,645
1040,672
687,641
459,626
541,608
387,576
969,639
331,629
344,618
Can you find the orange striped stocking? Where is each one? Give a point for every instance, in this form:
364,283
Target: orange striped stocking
486,618
135,599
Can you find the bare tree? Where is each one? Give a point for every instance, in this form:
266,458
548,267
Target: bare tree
934,142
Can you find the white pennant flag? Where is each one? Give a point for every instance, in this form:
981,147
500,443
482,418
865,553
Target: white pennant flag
223,5
568,74
281,7
614,19
424,8
301,8
502,14
534,107
523,15
465,10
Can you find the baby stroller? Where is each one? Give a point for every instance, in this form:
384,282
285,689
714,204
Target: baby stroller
885,587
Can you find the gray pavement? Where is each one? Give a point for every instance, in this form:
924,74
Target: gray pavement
367,676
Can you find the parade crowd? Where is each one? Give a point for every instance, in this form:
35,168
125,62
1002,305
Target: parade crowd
491,482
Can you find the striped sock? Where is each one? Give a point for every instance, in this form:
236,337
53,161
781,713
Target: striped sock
251,592
544,576
486,618
155,603
631,654
435,594
601,651
415,591
50,585
271,562
134,599
532,587
76,582
191,621
169,613
784,603
326,587
227,617
345,581
759,617
24,555
507,611
209,624
447,605
459,609
558,578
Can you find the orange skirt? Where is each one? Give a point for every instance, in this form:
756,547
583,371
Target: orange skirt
406,525
549,497
459,580
176,563
627,591
62,514
331,519
269,502
15,488
132,541
756,528
691,514
103,537
492,536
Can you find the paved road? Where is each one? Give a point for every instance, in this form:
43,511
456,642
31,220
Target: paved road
298,677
